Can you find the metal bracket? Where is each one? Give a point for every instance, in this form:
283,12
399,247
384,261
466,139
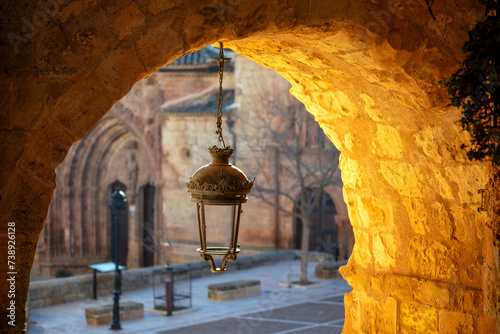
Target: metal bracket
482,191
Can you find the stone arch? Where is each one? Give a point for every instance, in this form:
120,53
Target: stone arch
409,186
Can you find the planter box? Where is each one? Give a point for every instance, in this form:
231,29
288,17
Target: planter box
328,270
101,315
232,290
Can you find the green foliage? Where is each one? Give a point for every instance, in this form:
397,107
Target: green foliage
430,8
474,87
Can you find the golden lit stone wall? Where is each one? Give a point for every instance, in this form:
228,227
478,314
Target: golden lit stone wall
411,192
365,69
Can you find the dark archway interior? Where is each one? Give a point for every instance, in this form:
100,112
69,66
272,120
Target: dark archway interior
122,238
323,235
148,255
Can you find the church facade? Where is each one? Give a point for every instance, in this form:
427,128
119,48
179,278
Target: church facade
150,143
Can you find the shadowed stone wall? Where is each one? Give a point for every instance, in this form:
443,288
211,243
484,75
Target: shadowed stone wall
367,71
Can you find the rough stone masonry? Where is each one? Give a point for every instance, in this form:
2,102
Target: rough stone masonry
424,259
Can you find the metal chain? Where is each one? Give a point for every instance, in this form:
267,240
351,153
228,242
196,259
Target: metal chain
220,61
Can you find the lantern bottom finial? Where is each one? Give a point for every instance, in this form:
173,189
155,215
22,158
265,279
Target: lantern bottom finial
229,254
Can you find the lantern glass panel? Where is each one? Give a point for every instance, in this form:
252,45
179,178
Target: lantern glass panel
219,221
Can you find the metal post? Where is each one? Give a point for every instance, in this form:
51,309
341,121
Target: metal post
118,199
169,292
94,288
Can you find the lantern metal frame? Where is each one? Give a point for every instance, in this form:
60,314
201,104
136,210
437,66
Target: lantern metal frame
219,184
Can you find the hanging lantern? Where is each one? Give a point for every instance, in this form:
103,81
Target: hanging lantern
219,184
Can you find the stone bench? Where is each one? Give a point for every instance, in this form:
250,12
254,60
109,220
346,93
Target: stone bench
328,270
100,315
232,290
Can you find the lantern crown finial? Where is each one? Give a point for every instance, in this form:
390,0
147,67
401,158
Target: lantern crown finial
220,154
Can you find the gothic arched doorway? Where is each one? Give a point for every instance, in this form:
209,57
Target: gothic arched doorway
323,235
148,225
123,230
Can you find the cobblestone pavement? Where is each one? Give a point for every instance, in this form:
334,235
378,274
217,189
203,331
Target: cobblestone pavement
276,310
314,317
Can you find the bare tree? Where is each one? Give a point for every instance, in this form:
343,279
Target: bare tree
293,159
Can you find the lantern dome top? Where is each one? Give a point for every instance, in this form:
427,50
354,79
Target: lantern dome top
219,182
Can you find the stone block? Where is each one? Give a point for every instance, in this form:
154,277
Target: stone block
233,290
384,250
352,312
7,101
387,143
352,175
157,7
465,300
404,178
378,316
128,20
375,212
119,68
81,108
328,270
421,291
484,325
35,160
362,250
104,314
371,108
455,322
464,176
416,318
428,139
433,259
159,45
417,214
13,146
431,293
60,62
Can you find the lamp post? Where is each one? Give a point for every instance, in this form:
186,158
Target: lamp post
118,200
219,184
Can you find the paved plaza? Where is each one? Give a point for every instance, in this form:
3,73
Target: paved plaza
277,310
